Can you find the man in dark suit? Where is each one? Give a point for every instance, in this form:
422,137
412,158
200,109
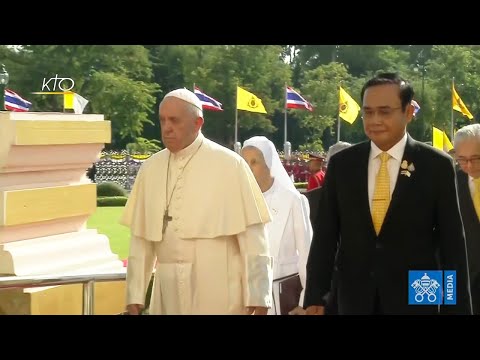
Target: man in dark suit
467,153
314,197
388,206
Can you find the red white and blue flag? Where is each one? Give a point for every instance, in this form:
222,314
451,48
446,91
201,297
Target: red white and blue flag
208,103
416,107
14,102
296,101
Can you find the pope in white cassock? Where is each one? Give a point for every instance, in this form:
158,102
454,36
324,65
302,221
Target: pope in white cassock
290,231
197,214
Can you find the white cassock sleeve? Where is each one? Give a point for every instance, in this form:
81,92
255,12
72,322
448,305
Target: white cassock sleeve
139,269
303,238
257,274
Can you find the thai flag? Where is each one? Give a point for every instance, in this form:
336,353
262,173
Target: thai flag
296,101
208,103
416,106
14,102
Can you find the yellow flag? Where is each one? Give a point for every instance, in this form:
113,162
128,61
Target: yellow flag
441,140
437,138
348,108
249,102
447,145
458,104
68,98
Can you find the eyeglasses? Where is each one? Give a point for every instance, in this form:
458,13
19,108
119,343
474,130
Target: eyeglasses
383,112
475,161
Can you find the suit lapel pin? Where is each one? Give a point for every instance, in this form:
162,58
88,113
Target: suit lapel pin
407,168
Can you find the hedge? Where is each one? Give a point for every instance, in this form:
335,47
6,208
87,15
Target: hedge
301,185
110,189
111,200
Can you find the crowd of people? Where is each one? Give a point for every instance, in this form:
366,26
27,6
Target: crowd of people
240,239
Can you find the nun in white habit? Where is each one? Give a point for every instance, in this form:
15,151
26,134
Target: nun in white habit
290,231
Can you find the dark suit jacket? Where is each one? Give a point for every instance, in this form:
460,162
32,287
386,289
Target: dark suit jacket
472,236
314,197
422,230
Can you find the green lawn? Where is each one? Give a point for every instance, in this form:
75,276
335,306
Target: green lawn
105,220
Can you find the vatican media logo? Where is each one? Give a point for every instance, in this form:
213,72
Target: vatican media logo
432,287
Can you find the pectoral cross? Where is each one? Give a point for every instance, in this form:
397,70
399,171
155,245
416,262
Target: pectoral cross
166,219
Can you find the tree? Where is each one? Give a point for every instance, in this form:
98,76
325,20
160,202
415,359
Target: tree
218,69
125,101
126,83
116,79
462,63
322,87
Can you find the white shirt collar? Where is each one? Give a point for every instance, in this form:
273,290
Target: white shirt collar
396,151
470,180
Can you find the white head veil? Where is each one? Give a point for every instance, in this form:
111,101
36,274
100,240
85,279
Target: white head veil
272,160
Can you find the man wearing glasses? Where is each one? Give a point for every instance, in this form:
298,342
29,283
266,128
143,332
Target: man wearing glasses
467,154
389,206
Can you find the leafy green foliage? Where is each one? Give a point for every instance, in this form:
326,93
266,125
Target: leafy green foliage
144,146
110,189
127,82
111,201
126,102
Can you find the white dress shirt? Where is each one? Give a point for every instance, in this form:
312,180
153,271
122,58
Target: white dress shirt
396,155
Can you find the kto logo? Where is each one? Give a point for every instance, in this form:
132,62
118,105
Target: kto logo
56,86
432,287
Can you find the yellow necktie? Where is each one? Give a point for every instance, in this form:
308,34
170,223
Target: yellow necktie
381,194
476,196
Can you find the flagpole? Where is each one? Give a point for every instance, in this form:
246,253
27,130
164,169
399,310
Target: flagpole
287,147
236,125
338,114
285,122
236,145
338,126
452,124
236,114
